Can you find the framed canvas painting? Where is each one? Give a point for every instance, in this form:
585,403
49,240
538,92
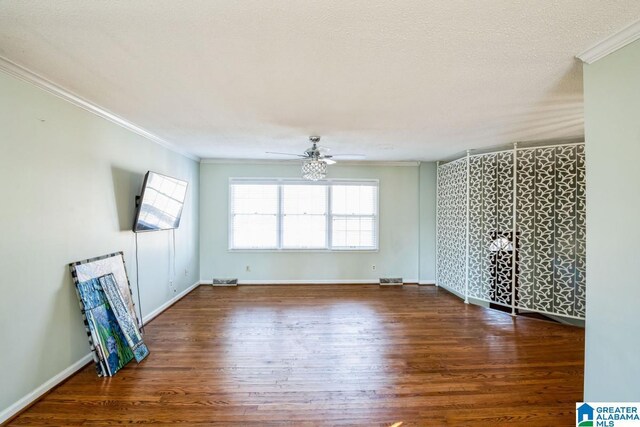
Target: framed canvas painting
105,335
95,268
110,346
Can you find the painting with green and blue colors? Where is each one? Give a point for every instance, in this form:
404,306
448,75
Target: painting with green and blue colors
125,321
109,342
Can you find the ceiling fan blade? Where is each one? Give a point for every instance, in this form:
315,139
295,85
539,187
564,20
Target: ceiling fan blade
285,154
350,156
328,161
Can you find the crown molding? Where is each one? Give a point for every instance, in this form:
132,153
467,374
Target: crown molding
297,162
22,73
612,43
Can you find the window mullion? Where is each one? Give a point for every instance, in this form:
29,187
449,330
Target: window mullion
280,214
329,217
230,216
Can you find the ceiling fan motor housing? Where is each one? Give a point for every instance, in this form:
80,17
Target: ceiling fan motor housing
313,151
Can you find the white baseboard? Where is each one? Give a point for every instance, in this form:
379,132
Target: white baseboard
311,282
308,282
167,304
298,282
34,395
39,391
427,282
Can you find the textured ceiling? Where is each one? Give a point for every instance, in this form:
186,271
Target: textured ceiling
394,80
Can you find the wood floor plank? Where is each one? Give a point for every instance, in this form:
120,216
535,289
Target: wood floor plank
316,355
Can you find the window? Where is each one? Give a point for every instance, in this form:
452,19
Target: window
353,216
304,216
288,214
254,216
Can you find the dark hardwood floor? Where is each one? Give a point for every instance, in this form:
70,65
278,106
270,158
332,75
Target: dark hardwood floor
333,355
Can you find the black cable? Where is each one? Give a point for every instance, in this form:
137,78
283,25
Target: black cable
138,286
173,278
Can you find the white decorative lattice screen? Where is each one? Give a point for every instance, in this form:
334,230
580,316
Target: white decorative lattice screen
511,228
451,226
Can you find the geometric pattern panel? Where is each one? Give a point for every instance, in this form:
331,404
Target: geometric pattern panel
502,247
526,220
550,211
581,234
544,214
478,287
451,226
491,227
565,231
550,242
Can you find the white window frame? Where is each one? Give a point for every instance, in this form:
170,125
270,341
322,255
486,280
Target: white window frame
329,216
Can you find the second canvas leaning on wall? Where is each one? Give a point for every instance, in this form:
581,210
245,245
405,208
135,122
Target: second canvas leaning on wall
125,321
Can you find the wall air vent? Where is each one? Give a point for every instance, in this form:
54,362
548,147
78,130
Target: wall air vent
391,281
224,282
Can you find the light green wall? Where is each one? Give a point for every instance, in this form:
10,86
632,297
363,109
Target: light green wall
399,236
428,222
612,130
69,179
67,184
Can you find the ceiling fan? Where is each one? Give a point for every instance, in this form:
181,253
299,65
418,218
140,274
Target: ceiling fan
316,159
316,152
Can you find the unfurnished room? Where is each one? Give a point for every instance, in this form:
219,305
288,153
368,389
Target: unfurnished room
320,213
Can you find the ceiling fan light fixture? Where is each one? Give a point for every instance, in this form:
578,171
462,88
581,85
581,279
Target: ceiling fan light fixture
314,169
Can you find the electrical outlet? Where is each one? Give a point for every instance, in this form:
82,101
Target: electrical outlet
248,268
373,267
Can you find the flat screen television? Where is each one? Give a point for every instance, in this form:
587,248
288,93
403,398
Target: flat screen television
159,206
